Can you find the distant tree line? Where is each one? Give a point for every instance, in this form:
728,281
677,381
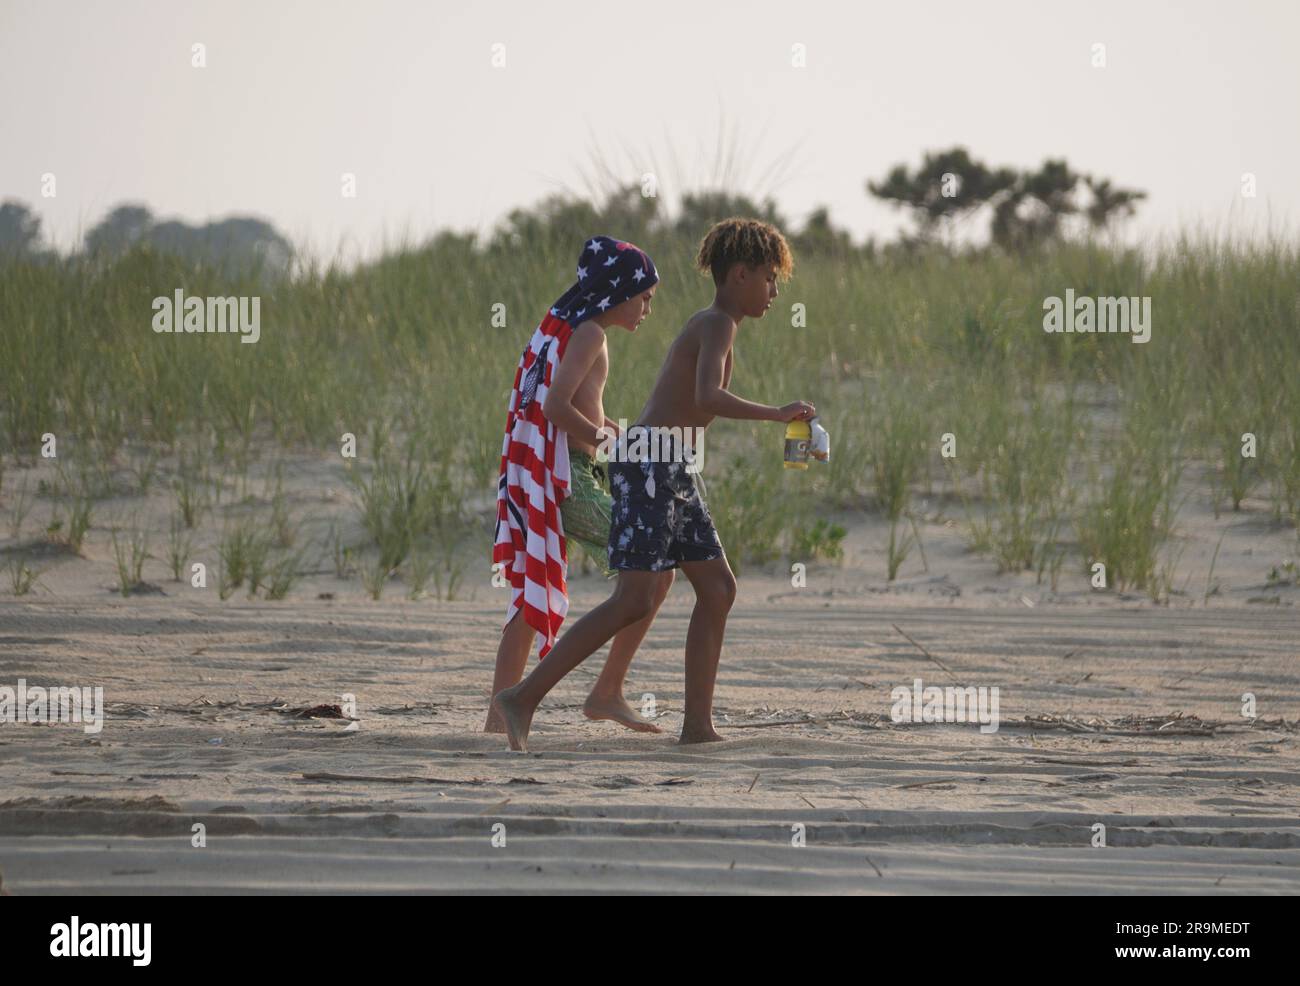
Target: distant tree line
229,243
1026,210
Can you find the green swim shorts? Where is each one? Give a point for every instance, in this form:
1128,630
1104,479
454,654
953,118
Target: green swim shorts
587,510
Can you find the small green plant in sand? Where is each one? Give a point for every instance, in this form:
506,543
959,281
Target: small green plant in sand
1023,479
1285,574
180,545
239,551
448,575
143,467
191,494
22,577
1124,524
1285,463
749,507
405,499
284,531
374,575
1237,474
819,539
419,570
897,448
340,553
71,530
18,511
897,453
129,554
897,550
432,563
284,573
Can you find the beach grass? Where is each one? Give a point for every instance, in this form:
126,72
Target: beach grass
1067,444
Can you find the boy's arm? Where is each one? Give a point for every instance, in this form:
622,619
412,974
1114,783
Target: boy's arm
579,357
712,376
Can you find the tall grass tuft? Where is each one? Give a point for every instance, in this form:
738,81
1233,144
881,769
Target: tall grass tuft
18,511
238,551
129,555
406,498
22,577
1024,450
180,545
1129,517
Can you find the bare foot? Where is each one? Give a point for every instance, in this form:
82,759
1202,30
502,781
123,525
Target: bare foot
517,718
617,710
699,734
494,724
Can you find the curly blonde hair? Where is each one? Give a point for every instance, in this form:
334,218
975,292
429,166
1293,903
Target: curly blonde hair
747,241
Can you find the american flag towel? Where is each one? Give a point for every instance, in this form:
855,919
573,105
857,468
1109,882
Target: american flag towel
534,477
534,482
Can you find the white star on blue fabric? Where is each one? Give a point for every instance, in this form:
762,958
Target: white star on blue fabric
611,261
593,246
614,283
604,303
582,272
578,313
638,275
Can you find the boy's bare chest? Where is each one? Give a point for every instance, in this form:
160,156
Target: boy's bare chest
594,382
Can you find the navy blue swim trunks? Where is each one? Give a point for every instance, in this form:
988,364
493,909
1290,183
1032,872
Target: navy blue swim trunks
659,519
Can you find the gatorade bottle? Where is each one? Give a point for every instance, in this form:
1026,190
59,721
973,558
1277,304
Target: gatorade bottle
798,438
820,449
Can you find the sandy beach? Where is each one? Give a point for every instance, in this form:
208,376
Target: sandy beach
1113,711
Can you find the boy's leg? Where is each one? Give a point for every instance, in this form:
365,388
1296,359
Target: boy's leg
512,657
632,601
715,591
606,700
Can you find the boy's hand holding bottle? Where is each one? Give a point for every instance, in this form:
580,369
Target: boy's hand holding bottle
796,411
804,436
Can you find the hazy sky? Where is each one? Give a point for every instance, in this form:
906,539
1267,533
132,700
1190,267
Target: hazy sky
405,96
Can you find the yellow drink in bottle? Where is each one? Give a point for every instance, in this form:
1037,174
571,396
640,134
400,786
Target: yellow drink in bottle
798,438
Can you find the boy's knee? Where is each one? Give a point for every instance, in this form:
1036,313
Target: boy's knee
729,588
719,591
665,584
634,605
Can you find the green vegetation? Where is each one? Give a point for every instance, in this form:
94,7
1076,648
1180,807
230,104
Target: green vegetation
1065,443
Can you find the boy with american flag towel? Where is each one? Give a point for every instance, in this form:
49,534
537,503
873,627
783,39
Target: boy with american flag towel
551,489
